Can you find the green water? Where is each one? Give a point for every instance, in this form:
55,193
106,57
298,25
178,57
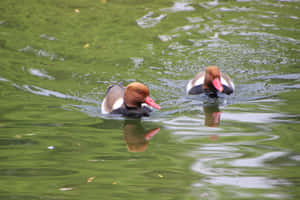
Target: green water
58,57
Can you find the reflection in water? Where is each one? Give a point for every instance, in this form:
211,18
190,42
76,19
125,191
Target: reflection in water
136,136
212,115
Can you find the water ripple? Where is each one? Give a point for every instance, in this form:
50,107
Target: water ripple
247,181
41,53
148,20
43,74
45,92
259,161
179,7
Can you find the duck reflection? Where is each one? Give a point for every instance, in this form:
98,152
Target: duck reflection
212,115
136,136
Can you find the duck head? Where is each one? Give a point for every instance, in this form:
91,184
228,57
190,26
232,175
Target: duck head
212,80
137,93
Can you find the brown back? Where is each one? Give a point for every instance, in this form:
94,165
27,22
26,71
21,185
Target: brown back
113,94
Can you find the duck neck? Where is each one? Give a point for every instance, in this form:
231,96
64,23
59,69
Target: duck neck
129,105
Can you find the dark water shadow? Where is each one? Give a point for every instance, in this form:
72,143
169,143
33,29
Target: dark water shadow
31,172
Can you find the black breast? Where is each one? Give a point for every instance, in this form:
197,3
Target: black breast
133,111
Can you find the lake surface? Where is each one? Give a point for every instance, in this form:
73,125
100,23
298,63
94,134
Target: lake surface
58,57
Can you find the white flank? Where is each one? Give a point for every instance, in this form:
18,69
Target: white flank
189,86
224,82
199,81
146,105
118,103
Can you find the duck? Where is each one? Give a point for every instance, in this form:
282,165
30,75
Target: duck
210,82
130,101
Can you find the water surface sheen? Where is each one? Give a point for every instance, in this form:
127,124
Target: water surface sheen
58,57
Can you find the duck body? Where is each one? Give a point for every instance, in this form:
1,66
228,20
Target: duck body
129,101
210,82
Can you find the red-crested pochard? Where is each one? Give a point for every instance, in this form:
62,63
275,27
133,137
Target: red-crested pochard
211,81
128,101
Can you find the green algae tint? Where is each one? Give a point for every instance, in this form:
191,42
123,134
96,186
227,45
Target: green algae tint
58,57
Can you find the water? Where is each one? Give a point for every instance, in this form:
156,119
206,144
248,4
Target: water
58,58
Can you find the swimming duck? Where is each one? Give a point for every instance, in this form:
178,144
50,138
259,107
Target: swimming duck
211,81
129,101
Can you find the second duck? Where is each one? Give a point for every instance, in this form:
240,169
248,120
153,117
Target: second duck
211,81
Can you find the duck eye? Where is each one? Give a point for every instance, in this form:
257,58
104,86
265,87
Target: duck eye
138,91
